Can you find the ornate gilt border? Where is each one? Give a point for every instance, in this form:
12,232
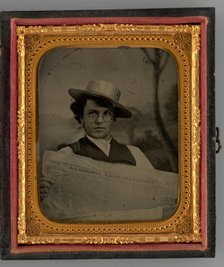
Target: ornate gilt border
183,42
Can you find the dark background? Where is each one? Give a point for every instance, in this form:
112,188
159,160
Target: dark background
129,69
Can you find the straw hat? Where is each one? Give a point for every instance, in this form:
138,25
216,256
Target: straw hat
104,90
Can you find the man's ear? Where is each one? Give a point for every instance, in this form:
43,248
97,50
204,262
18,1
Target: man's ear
82,123
81,120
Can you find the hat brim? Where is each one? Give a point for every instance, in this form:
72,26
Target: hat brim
121,111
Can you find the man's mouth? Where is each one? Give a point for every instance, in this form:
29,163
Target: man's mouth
99,128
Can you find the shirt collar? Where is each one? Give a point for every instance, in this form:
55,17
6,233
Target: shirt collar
99,141
102,144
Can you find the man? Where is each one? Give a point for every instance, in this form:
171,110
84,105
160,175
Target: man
97,190
97,108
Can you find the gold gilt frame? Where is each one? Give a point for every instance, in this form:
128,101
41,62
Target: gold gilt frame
183,43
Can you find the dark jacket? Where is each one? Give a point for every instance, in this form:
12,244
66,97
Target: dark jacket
119,153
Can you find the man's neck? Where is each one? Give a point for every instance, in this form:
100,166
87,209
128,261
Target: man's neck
106,140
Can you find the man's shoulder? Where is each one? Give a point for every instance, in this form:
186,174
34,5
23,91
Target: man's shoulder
134,148
136,151
75,147
141,159
131,148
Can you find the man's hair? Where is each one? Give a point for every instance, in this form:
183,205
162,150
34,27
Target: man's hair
77,107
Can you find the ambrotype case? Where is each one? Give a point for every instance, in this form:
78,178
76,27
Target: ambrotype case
143,189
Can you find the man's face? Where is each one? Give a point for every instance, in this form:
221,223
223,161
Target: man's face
97,120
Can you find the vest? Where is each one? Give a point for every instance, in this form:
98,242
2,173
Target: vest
119,153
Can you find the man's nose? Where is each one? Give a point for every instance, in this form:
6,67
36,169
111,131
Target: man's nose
99,118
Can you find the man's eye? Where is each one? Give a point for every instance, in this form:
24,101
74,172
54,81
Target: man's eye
108,113
93,112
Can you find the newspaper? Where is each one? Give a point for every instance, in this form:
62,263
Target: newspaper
84,189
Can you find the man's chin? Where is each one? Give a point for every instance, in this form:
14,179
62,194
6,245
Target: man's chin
99,135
